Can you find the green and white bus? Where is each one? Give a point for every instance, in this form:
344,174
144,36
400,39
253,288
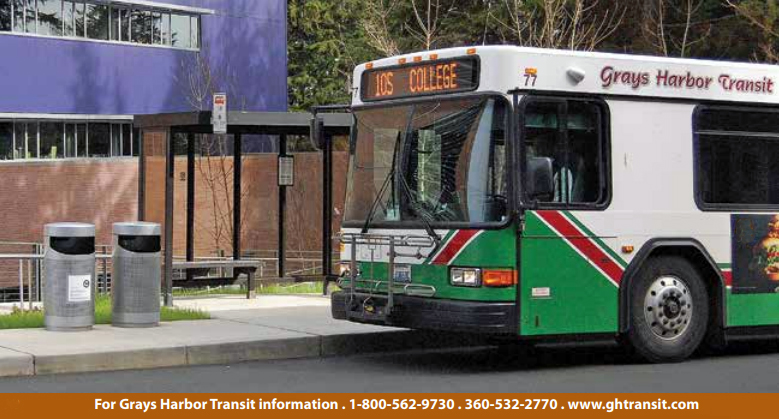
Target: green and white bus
542,194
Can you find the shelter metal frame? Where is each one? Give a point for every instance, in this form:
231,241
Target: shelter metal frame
238,123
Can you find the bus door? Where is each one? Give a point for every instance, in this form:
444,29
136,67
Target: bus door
569,274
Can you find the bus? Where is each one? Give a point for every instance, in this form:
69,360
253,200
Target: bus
538,194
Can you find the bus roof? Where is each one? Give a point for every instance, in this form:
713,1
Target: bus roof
502,69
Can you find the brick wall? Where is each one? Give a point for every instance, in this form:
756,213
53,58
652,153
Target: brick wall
106,191
33,194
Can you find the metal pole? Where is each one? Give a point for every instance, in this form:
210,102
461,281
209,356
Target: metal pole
282,208
104,265
190,202
141,178
327,207
21,284
29,283
237,156
170,156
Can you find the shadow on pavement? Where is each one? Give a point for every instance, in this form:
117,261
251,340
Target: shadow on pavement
515,358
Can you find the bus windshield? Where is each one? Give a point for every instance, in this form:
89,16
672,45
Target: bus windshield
433,162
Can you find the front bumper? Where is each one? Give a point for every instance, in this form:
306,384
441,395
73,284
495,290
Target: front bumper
427,313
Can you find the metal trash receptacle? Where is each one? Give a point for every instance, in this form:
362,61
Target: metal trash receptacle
136,275
69,276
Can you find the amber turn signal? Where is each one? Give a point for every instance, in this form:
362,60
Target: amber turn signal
499,278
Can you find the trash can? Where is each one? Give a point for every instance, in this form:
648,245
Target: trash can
69,276
136,275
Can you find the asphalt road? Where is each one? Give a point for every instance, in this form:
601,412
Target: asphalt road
752,367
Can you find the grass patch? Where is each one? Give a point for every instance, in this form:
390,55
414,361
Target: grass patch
266,289
19,319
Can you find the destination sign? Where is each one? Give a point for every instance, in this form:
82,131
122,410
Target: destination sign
421,79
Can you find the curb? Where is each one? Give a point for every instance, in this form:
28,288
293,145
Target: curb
19,364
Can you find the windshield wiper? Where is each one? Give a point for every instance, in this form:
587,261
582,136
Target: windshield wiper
387,181
375,203
415,206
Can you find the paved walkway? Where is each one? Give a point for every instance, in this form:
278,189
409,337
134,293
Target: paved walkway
267,327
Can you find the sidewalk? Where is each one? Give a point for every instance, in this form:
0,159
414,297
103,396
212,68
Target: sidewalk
268,327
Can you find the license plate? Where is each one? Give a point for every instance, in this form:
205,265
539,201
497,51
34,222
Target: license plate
402,273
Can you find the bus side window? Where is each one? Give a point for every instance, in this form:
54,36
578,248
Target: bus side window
568,132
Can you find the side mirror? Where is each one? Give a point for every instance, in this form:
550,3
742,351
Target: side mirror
540,178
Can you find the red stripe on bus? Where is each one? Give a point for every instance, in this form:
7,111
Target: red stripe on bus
728,277
592,252
454,246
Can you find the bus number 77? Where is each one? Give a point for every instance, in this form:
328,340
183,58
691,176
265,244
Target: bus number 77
530,79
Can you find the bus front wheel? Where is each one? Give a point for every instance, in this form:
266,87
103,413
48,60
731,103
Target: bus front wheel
669,310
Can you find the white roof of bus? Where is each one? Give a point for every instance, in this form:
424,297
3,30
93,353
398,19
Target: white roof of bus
505,68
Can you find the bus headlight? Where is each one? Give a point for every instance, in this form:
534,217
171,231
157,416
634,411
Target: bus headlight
465,277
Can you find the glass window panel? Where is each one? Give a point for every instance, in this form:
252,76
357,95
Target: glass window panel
19,135
81,140
99,140
127,140
156,28
79,17
32,140
70,140
194,32
97,21
6,140
116,140
179,29
141,26
136,141
29,17
67,19
50,17
116,19
165,29
18,15
51,140
5,15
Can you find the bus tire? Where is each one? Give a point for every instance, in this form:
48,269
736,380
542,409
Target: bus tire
669,310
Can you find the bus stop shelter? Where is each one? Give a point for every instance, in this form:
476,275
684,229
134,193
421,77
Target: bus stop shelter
166,136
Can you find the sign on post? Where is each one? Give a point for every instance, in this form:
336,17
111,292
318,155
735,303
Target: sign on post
219,113
286,170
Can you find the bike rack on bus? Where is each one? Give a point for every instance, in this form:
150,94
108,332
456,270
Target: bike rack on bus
392,241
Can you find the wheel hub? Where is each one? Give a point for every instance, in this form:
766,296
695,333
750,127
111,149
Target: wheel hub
668,307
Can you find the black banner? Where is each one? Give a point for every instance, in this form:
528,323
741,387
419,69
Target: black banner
421,79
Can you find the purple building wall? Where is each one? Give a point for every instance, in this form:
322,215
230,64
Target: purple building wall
244,43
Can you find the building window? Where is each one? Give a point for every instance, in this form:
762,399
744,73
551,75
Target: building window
101,20
6,140
179,30
70,140
97,21
99,140
194,32
51,140
50,17
736,155
6,18
127,140
30,16
82,149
